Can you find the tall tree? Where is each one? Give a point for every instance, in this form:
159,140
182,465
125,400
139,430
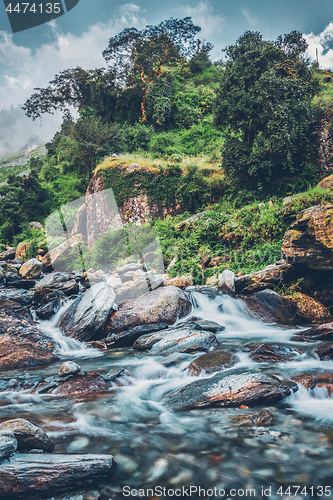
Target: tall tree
265,99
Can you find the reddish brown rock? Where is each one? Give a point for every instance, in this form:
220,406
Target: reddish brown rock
321,332
325,352
22,345
273,353
309,309
264,417
28,435
310,381
268,306
213,362
305,380
88,385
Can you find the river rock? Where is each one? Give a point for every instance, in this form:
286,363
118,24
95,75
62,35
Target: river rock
88,314
8,445
22,345
309,309
51,279
270,307
304,379
33,473
325,352
127,338
176,340
56,258
273,353
227,282
21,250
179,281
201,324
164,305
8,254
213,362
88,385
2,274
69,368
114,281
31,269
28,435
309,241
270,276
263,417
23,297
310,381
321,332
239,388
51,303
129,268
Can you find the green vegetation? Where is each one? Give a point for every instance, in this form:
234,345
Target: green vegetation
227,138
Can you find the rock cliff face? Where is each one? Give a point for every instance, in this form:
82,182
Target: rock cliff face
309,241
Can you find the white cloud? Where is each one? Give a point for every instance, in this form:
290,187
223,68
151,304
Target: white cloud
22,69
250,18
204,15
321,42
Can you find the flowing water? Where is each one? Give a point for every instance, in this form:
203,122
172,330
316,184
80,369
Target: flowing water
155,446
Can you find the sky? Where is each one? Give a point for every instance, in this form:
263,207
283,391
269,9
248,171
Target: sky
31,58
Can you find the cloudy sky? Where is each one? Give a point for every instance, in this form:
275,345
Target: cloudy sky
31,58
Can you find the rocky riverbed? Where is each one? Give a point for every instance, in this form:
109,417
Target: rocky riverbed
178,387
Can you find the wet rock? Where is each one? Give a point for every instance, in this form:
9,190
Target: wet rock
15,282
88,385
325,352
21,250
263,417
113,374
26,473
127,338
129,268
201,324
273,353
227,282
28,435
272,275
23,297
270,307
164,305
309,241
31,269
212,281
8,254
88,315
51,279
176,340
51,303
22,345
304,379
8,445
69,368
239,388
321,332
2,274
309,309
213,362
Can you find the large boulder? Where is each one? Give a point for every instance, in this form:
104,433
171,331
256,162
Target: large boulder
239,388
309,309
259,280
309,240
164,305
51,279
36,474
28,435
128,337
31,269
22,345
8,254
273,353
88,315
227,282
176,340
270,307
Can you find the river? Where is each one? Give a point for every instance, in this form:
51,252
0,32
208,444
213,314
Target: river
157,447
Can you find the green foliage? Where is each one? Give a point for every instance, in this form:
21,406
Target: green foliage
265,98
